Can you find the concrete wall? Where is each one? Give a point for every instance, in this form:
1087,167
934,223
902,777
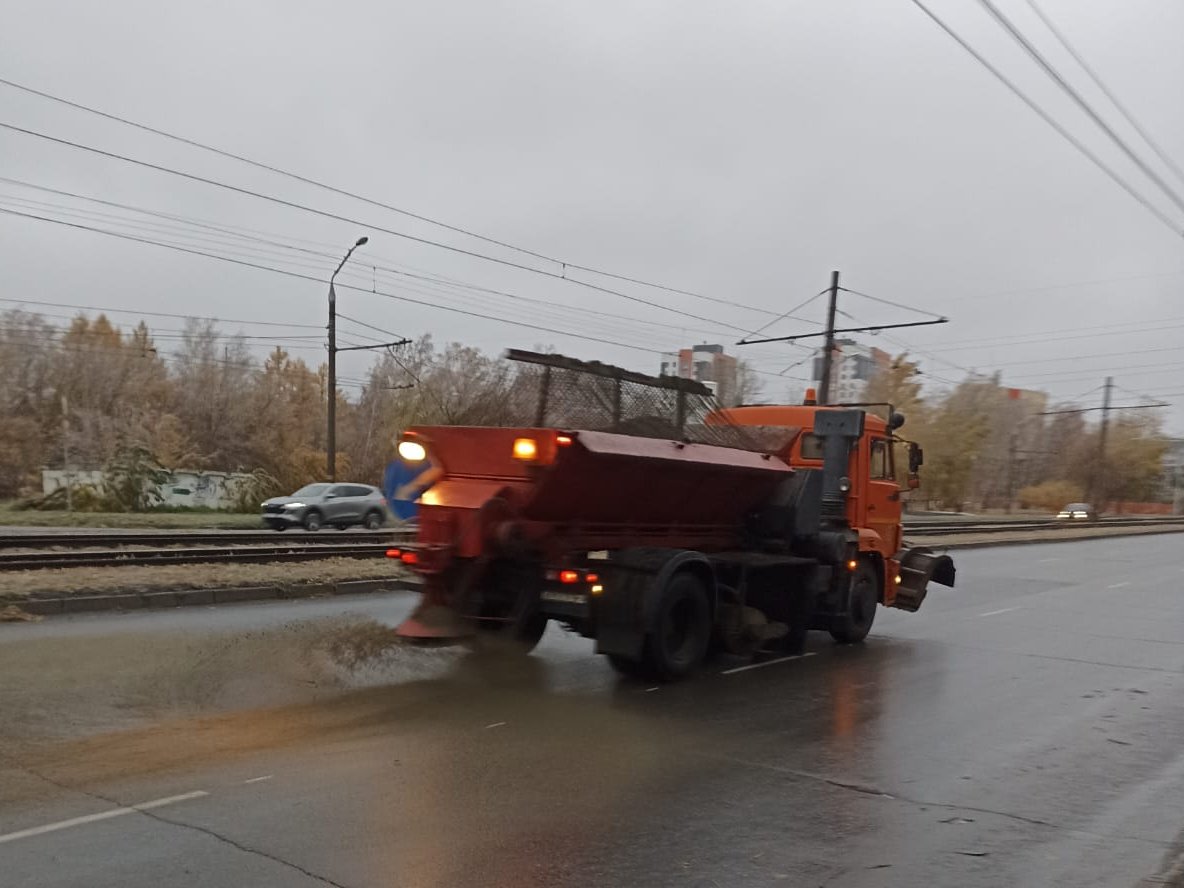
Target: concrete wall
185,487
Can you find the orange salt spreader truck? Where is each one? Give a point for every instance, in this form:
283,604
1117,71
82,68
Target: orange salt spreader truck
661,548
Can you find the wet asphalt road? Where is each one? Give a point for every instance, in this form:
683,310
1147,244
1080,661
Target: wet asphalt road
1026,728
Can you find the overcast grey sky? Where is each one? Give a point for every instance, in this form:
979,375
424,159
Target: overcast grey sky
738,150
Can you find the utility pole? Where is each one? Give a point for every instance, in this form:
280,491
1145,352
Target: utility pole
331,431
1010,473
1100,468
828,349
66,453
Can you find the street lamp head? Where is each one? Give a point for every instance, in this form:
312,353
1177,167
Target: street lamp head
361,241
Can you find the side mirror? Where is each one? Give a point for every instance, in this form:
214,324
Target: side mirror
330,496
895,421
916,458
914,482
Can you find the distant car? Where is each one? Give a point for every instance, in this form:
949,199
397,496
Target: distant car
339,505
1077,512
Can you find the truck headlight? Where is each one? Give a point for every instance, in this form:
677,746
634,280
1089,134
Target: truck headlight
412,451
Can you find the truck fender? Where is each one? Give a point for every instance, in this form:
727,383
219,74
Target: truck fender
634,581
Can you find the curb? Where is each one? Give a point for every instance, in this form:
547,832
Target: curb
992,544
80,604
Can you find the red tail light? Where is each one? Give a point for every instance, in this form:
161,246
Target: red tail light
394,553
410,558
569,576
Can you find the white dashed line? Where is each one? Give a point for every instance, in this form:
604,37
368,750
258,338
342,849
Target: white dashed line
495,725
1118,585
767,663
1002,611
102,815
257,779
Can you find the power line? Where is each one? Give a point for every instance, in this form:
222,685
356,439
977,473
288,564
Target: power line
224,229
272,240
1122,109
890,302
318,280
1047,118
251,254
154,314
336,216
1067,286
376,203
1108,331
788,314
1079,100
871,328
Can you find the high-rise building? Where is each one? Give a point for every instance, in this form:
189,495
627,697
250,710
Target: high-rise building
852,368
707,364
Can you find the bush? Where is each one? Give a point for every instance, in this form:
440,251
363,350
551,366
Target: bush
132,480
83,498
1051,496
249,492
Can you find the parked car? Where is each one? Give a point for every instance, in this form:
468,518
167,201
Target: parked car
339,505
1078,512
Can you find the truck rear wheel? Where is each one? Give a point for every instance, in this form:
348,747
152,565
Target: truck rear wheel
682,629
853,626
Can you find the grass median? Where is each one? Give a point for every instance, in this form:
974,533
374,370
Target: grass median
143,520
17,586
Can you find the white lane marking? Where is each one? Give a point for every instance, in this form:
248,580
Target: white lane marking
258,779
1118,585
496,725
767,663
102,815
1002,611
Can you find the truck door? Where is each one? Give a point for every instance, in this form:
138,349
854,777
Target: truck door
883,496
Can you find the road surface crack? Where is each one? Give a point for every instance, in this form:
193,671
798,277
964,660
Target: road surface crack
875,792
246,849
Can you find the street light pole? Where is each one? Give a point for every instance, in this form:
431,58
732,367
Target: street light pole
331,431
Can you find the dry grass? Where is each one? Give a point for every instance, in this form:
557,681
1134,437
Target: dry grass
146,520
18,585
1043,536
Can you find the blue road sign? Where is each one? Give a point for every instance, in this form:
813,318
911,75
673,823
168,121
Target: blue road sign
403,483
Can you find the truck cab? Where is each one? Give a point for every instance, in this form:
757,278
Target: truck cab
874,496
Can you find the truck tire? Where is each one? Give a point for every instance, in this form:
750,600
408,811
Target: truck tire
510,616
853,626
682,629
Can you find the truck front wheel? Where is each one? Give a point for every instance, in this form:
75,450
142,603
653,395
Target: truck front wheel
855,624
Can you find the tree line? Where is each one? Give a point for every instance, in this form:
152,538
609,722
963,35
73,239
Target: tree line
112,398
990,446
